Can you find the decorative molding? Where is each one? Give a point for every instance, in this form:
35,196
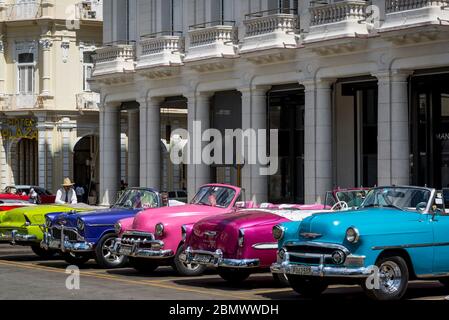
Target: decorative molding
65,46
46,44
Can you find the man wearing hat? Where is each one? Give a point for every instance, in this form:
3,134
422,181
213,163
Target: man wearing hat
66,194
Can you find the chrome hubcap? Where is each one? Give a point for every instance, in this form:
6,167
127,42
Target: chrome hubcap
390,277
108,255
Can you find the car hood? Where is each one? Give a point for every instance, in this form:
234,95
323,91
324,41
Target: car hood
146,220
331,227
241,219
36,214
102,216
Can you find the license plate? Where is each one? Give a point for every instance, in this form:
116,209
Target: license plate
302,270
125,250
202,258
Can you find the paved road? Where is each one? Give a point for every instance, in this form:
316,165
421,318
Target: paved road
25,276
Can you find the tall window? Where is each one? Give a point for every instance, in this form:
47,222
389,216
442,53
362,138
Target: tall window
284,6
171,16
88,66
26,73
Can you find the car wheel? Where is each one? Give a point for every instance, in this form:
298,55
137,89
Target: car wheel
104,255
43,253
77,259
307,287
187,269
233,276
281,279
393,279
142,265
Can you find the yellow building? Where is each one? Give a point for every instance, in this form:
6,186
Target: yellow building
48,115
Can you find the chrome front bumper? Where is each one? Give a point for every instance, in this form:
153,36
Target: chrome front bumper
215,259
135,250
65,245
16,237
352,267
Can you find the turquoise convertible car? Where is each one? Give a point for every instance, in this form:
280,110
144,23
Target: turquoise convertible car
397,235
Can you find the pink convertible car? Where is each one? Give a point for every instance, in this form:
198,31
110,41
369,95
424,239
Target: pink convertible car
239,243
154,237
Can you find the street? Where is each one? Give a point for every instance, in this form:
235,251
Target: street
24,276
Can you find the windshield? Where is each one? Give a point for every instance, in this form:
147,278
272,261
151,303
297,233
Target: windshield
214,196
403,198
137,199
353,198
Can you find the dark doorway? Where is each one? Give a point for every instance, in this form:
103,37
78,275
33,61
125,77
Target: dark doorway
286,113
430,130
27,164
365,95
84,159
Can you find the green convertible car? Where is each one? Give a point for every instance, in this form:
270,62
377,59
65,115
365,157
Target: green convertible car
24,226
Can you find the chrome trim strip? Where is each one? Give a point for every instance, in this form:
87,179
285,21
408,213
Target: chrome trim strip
100,225
433,275
419,245
265,245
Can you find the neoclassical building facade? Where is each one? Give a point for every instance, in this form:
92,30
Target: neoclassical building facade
356,89
48,113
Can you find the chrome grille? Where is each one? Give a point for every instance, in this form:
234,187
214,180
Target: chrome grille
314,253
132,238
70,234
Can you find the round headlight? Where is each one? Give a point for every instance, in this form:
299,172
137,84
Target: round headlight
159,229
278,232
117,227
352,235
80,224
47,222
338,257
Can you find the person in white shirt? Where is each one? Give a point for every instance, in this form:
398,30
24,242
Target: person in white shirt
66,194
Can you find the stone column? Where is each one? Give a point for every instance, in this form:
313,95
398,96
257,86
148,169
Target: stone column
153,143
310,194
317,139
109,152
254,117
2,67
46,45
393,159
323,136
198,116
143,141
133,148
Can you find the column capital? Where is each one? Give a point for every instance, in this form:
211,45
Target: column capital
112,106
396,75
254,90
320,83
145,102
198,95
46,43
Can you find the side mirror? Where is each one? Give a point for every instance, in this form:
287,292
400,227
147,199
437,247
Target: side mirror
421,207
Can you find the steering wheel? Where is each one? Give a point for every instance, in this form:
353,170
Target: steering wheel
342,205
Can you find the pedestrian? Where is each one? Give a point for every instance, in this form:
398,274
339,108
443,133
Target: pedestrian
34,197
66,194
79,193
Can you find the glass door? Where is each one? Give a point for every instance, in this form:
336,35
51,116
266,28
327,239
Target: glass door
286,113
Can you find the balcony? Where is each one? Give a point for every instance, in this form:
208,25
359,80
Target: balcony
337,21
20,11
15,102
404,14
212,40
89,11
269,30
162,52
114,59
87,101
